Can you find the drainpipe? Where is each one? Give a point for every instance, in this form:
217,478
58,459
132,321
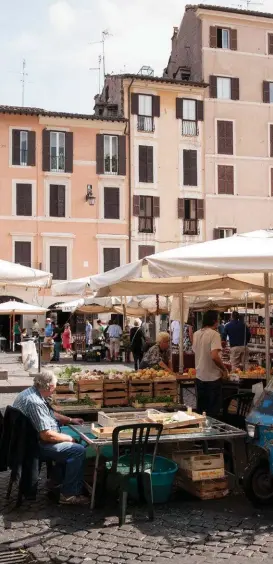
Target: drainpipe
129,165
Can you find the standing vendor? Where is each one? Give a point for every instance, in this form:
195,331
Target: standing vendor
239,336
159,354
209,366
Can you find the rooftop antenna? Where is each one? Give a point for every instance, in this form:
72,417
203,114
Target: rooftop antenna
97,69
23,81
247,3
105,35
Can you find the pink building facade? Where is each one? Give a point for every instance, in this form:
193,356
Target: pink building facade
63,192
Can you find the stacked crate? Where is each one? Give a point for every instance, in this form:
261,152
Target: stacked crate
115,392
140,388
201,475
92,389
166,387
65,392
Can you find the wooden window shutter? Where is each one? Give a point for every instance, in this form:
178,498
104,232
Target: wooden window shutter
31,154
16,147
271,176
216,233
213,37
136,206
142,163
22,251
145,251
111,203
270,44
100,153
111,258
134,104
225,137
181,208
233,39
213,86
199,110
235,89
156,206
156,106
189,167
122,155
46,150
179,108
150,164
200,209
57,200
271,140
58,263
24,199
266,92
225,179
69,151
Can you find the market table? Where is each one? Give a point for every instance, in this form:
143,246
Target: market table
215,430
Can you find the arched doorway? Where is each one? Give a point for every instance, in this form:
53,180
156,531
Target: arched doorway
5,328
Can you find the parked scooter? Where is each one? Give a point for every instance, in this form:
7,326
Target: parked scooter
258,476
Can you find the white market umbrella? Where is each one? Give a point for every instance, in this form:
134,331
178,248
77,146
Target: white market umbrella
13,308
70,307
13,274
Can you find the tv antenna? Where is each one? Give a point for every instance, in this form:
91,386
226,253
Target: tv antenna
97,69
247,3
105,35
24,74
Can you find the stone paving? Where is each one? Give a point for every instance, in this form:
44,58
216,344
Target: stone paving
183,531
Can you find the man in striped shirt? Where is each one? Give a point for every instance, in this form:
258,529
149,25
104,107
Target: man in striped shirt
54,445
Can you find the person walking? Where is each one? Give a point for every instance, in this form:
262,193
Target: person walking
16,334
35,328
88,334
67,339
114,331
57,338
137,340
239,336
209,366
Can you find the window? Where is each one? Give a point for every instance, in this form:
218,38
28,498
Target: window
268,92
146,164
58,262
223,232
225,137
146,215
24,199
111,154
189,122
223,88
57,151
56,200
22,253
271,140
146,107
271,181
225,179
270,44
111,203
23,147
189,167
145,251
190,210
223,38
111,258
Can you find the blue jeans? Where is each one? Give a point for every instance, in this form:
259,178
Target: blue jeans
73,456
57,350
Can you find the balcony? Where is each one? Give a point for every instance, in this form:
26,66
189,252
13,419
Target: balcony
145,123
146,225
190,128
191,227
57,163
23,157
110,165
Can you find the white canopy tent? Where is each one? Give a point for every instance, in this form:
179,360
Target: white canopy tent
13,308
12,274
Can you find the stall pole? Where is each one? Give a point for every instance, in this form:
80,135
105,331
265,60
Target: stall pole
267,328
39,354
10,333
245,343
13,334
181,339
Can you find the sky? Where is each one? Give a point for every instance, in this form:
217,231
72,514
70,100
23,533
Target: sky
58,39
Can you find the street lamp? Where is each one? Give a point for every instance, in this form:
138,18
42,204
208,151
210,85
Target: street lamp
90,198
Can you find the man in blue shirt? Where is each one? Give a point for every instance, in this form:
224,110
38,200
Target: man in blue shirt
54,444
239,336
48,328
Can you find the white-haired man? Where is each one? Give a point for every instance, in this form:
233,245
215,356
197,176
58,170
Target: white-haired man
54,445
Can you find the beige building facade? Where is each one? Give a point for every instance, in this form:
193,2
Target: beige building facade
232,50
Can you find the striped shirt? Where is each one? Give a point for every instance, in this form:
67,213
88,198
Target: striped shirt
34,406
114,331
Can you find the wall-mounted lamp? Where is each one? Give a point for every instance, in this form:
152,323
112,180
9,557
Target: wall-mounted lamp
90,198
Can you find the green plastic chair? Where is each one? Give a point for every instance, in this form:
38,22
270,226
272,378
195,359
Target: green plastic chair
120,474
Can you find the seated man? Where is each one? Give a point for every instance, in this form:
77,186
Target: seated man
54,445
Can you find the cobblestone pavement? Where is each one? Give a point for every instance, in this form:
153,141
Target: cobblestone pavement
184,531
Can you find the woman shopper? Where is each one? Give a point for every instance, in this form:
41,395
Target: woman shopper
67,338
137,341
158,356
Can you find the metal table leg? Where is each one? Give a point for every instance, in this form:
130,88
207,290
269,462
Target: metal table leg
93,496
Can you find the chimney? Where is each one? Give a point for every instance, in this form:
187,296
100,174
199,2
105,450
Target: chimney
175,33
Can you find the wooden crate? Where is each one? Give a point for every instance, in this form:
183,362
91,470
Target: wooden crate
140,388
66,388
65,397
93,389
198,462
212,489
166,387
115,392
124,418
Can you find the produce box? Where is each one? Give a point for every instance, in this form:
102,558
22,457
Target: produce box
64,398
198,462
167,387
125,418
210,474
140,387
115,392
91,389
178,419
212,489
